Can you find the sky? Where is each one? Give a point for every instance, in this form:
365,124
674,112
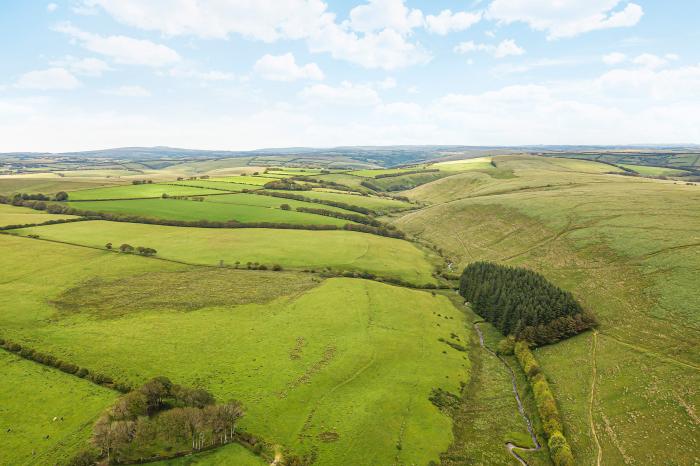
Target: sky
246,74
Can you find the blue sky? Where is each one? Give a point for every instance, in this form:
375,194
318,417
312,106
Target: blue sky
242,74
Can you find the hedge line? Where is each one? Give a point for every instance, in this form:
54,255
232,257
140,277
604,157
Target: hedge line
48,222
300,197
67,367
559,448
409,172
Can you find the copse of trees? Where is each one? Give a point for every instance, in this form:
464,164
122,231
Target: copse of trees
523,303
287,185
161,416
559,448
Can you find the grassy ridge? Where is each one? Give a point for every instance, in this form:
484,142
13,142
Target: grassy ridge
632,262
299,249
344,369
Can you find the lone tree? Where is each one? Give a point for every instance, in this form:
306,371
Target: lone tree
61,196
108,246
126,248
285,207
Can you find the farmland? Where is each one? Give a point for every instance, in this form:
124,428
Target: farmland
298,249
349,347
187,210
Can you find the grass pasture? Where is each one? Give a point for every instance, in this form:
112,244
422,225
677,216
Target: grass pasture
13,215
343,369
246,179
646,170
296,249
632,263
218,185
479,163
268,201
188,210
33,395
10,184
138,191
380,204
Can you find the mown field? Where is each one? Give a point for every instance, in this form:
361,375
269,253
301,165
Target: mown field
655,171
341,369
297,249
629,250
217,211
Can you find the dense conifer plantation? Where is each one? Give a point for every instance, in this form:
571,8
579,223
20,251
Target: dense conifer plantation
523,303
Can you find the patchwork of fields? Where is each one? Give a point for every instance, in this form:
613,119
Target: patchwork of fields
338,369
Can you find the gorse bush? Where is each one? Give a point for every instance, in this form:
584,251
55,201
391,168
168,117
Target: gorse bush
523,303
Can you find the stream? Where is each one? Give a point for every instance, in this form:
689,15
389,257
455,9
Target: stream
511,447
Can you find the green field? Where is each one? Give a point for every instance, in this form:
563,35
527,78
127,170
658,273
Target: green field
655,171
298,249
138,191
245,179
380,204
633,263
12,215
343,369
33,395
269,201
480,163
218,185
188,210
10,185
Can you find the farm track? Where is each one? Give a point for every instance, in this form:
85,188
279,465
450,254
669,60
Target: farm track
510,446
651,353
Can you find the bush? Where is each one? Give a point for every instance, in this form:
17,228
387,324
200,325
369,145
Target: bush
506,346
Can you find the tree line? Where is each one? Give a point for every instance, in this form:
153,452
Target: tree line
300,197
359,218
408,172
64,366
48,222
523,303
559,448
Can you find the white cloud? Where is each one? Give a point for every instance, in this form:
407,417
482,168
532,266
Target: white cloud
189,72
122,49
82,66
347,94
49,79
377,15
387,83
128,91
269,20
51,7
400,109
566,18
447,22
387,49
649,60
614,58
504,48
285,68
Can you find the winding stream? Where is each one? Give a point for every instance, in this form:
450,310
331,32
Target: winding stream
511,447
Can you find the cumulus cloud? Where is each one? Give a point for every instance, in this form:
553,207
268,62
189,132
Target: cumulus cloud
447,22
377,15
51,7
285,68
503,49
347,94
374,37
122,49
49,79
83,66
567,18
649,60
128,91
